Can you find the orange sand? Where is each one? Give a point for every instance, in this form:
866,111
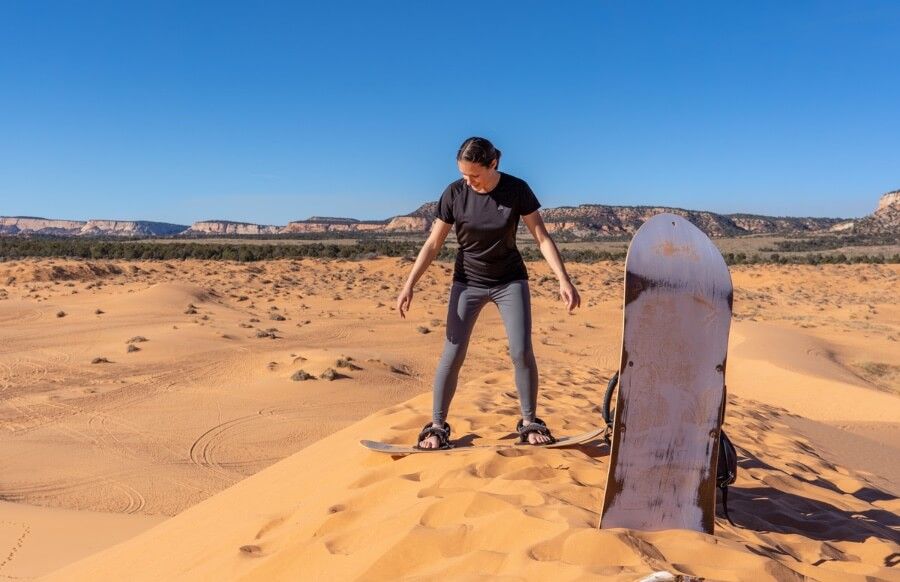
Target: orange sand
268,481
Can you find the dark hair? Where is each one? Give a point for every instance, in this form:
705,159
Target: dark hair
478,151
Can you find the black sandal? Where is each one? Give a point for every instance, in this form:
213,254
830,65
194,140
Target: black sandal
538,426
443,435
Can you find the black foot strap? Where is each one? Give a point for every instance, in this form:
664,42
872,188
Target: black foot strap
538,426
443,435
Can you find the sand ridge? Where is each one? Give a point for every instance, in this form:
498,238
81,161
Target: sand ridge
335,510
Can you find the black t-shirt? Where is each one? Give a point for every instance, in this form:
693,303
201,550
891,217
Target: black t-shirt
486,227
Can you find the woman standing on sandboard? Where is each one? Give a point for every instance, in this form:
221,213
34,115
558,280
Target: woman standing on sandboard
485,205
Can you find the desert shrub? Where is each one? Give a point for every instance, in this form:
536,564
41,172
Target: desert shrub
366,248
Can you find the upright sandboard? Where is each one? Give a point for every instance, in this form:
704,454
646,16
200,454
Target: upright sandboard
678,297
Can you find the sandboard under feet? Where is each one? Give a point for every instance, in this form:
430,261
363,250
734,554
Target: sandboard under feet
394,449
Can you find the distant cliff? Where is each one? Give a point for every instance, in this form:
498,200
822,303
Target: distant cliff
46,226
569,222
333,224
229,228
885,219
597,220
591,220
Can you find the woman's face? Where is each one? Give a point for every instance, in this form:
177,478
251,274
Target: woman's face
478,177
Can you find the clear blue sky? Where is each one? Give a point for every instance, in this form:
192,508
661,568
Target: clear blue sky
269,112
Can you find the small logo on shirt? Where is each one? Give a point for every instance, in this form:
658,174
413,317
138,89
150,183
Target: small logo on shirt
501,208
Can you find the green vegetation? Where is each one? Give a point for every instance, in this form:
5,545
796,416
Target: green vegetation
831,242
807,259
15,248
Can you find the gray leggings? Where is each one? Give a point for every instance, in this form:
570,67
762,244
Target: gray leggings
514,302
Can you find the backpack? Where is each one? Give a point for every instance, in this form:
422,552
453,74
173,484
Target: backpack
726,466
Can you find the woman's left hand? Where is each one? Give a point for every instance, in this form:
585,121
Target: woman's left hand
569,294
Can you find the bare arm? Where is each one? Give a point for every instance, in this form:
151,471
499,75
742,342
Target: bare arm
567,290
430,250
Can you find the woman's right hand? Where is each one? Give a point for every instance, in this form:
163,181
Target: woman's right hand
404,300
429,251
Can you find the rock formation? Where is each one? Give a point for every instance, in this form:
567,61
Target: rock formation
567,222
47,226
35,225
885,219
329,224
228,228
129,228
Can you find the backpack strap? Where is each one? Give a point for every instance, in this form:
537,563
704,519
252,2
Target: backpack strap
724,490
726,470
607,411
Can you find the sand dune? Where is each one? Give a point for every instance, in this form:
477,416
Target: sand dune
777,364
28,533
336,511
204,420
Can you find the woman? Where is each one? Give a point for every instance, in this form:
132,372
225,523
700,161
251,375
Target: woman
485,205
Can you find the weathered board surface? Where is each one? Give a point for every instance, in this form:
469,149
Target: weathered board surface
678,298
409,449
